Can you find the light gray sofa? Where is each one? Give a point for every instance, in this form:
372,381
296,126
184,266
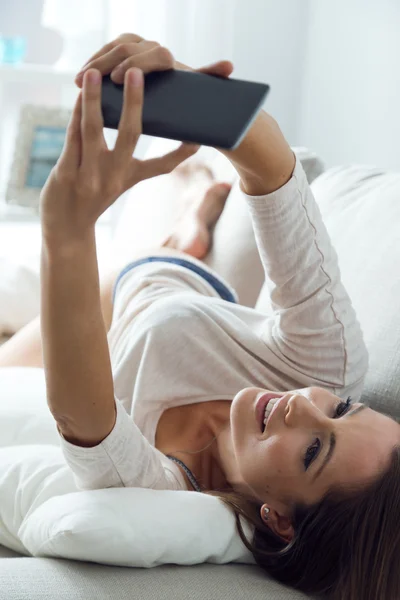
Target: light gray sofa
361,210
51,579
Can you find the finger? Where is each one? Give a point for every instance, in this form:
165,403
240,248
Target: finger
165,164
112,55
223,68
130,124
92,119
129,38
106,62
156,59
104,50
71,153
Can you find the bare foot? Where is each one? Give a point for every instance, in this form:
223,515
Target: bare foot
204,206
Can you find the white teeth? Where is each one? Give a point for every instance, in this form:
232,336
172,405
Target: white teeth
269,408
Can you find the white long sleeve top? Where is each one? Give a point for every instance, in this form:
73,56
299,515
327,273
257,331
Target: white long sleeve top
175,341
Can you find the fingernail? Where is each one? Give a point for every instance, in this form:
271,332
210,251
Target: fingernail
94,77
135,77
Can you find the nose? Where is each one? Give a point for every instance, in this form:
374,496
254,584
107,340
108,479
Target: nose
300,412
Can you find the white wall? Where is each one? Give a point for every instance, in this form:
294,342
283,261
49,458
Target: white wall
265,39
270,46
351,101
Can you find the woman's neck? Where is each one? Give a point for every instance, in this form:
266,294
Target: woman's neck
222,454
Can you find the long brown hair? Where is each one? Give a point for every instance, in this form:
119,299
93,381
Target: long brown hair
347,546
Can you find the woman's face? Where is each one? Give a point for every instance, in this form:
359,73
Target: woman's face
289,460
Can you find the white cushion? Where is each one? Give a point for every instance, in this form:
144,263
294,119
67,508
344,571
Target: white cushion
42,513
361,209
24,414
19,292
149,211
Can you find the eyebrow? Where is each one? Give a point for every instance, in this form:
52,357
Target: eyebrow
332,442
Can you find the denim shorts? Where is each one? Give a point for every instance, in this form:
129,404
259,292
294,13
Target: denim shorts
215,282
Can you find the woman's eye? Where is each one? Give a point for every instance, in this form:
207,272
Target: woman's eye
342,408
312,452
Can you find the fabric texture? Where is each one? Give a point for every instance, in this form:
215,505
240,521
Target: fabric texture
224,292
46,579
361,208
170,327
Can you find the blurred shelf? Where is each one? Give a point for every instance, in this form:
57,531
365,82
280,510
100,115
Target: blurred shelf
13,213
31,73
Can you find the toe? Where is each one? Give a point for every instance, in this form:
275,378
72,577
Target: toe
213,203
222,189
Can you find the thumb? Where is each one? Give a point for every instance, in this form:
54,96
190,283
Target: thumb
70,156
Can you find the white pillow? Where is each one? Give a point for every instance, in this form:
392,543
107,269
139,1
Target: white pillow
19,292
42,513
133,527
24,414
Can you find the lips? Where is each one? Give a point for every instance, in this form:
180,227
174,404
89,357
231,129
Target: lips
261,405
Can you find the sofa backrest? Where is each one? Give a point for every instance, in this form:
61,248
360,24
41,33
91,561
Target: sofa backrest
361,209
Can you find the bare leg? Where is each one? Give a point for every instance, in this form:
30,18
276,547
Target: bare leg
192,236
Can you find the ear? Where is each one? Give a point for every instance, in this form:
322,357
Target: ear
280,524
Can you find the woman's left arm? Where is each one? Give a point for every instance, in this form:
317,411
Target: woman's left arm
87,179
80,391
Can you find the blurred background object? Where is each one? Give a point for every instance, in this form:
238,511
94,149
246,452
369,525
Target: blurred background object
39,143
12,49
23,19
332,66
82,25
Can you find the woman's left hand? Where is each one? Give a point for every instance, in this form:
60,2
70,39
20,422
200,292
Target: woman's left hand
88,177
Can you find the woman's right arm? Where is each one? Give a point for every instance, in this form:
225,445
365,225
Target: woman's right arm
315,329
264,159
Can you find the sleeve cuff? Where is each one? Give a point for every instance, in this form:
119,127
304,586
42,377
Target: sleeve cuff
113,438
286,191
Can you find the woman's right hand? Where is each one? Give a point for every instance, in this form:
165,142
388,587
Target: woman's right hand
130,50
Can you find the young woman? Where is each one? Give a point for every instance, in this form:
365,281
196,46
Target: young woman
162,380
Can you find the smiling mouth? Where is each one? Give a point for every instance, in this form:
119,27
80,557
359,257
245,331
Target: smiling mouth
264,425
261,405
